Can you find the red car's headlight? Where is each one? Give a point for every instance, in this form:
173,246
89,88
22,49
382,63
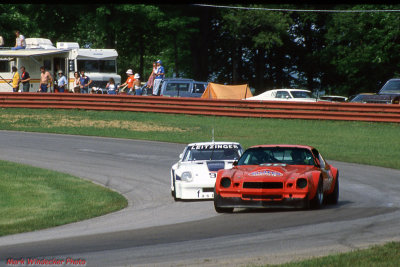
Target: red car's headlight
301,183
225,182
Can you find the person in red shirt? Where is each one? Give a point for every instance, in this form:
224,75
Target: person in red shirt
129,82
25,78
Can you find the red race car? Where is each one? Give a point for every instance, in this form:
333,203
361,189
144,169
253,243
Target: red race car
277,176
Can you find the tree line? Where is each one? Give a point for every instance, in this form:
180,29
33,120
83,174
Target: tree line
339,53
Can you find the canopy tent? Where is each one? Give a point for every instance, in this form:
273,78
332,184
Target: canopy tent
220,91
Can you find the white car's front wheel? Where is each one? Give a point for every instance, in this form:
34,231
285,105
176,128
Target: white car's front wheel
173,192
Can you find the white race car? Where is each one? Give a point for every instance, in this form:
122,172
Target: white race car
194,175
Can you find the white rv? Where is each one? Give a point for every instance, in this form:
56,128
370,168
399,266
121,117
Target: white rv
99,64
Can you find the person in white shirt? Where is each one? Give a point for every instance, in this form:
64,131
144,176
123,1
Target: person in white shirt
19,41
62,82
111,87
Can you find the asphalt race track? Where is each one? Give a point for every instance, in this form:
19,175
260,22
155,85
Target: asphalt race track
156,231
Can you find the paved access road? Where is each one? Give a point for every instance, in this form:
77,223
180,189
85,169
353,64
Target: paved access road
156,231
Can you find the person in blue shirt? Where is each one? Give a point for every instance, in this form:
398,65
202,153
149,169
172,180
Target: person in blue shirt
160,73
85,81
62,82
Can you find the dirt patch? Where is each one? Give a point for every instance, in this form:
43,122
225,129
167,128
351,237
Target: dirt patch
49,121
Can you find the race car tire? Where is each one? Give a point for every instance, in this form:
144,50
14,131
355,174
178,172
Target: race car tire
219,209
223,210
318,199
173,192
333,198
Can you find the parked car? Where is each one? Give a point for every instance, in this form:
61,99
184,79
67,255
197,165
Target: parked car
389,93
359,98
285,95
333,98
182,87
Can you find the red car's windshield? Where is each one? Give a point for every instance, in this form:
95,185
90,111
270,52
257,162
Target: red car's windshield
271,155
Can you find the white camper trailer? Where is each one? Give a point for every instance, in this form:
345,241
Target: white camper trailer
99,64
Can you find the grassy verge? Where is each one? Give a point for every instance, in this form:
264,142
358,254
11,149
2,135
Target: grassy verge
33,198
387,255
359,142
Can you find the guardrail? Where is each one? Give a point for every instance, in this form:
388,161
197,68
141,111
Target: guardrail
197,106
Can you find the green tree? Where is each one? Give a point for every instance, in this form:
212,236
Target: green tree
12,18
176,32
363,49
247,39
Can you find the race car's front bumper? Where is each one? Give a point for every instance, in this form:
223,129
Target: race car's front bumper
194,190
238,202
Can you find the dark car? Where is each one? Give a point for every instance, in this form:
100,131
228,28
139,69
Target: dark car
359,98
182,87
389,93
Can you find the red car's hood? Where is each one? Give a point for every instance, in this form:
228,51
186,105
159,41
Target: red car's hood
256,172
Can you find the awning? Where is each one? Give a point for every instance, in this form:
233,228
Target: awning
30,52
104,54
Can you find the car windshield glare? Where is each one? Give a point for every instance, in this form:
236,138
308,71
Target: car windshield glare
211,154
391,87
272,155
301,94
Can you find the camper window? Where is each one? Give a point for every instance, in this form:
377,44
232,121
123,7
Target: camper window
103,66
88,65
4,66
107,66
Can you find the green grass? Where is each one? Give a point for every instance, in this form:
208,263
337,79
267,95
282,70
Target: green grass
376,256
33,198
359,142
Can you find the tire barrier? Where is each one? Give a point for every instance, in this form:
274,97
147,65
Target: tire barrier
196,106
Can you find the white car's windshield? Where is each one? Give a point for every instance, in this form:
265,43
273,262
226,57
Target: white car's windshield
301,94
212,152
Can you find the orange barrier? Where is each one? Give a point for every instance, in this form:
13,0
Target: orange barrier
197,106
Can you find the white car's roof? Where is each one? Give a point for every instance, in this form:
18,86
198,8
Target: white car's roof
268,95
212,143
288,89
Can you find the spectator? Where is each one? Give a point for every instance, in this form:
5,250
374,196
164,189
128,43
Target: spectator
15,79
128,83
19,41
136,84
55,75
84,83
160,73
45,80
150,81
111,87
77,77
62,82
25,78
1,41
